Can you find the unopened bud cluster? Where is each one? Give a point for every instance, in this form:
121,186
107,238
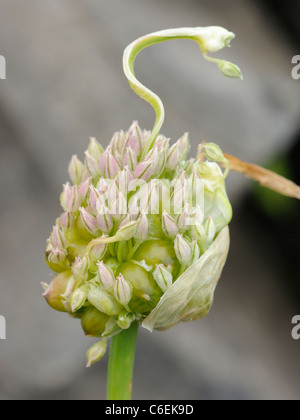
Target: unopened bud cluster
133,222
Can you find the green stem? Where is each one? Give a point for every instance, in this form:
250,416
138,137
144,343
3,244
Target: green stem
121,364
210,39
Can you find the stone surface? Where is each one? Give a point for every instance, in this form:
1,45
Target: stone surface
65,83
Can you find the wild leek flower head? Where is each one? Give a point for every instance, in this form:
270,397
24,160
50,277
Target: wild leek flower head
143,235
137,233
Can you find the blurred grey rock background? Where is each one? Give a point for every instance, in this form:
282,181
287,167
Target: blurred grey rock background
64,84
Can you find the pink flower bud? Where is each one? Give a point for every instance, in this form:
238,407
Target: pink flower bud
143,227
57,238
97,254
106,276
66,220
104,220
83,189
57,256
183,220
95,149
130,159
144,170
173,157
123,290
76,170
80,269
135,136
112,167
183,250
70,199
92,165
118,142
89,221
169,225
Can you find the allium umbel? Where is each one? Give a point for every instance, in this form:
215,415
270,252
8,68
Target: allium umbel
123,252
144,235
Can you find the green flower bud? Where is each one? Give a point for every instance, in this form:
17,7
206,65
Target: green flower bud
102,301
230,70
183,250
78,298
145,292
96,352
163,277
56,290
125,319
93,322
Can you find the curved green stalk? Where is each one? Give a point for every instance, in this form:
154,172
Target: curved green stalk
210,39
121,363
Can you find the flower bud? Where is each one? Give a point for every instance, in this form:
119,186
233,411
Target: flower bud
89,221
173,157
144,290
210,230
183,220
104,220
125,319
94,322
70,199
130,159
80,269
230,70
118,142
184,146
76,170
92,165
163,277
106,276
96,352
122,290
143,227
95,149
102,186
93,198
96,253
57,256
103,301
182,250
57,238
66,220
195,251
78,298
135,136
112,167
144,170
169,225
56,289
83,189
